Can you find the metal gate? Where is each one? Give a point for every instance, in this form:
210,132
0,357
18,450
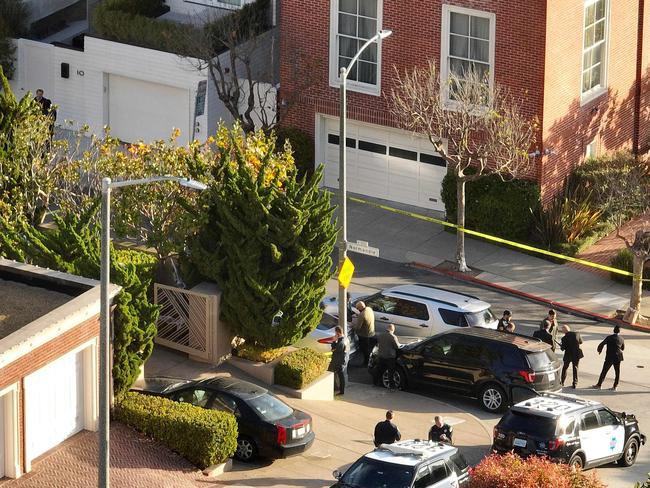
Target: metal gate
187,320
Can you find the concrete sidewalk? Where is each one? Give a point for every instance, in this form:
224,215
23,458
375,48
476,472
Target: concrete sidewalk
344,427
405,239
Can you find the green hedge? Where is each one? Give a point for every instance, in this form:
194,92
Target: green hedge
494,206
623,260
302,145
203,437
259,354
148,8
145,263
300,368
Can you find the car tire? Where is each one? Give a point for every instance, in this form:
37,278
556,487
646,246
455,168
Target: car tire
246,449
630,452
493,398
399,379
577,461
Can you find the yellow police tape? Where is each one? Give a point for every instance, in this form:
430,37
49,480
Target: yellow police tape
496,239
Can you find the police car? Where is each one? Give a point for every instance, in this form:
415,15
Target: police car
407,464
569,429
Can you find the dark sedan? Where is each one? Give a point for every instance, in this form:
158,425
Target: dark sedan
267,426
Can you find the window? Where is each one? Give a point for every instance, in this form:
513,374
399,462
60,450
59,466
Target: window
589,421
467,43
402,153
431,159
412,310
533,425
459,464
352,23
269,407
480,319
423,478
225,403
452,317
334,139
378,474
197,397
438,347
372,147
591,150
381,303
594,48
438,472
607,417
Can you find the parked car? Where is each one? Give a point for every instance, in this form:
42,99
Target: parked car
322,336
479,363
569,429
267,426
407,464
421,310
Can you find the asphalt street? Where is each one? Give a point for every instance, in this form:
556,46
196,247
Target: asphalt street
372,274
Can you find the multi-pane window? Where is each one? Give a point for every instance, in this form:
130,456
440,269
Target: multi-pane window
357,22
467,43
594,45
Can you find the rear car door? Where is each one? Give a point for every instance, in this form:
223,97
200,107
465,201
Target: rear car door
467,364
590,436
434,368
411,318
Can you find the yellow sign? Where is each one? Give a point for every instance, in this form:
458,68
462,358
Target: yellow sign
345,274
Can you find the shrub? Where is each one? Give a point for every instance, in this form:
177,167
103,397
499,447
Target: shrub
259,354
494,206
299,368
302,145
203,437
145,264
623,260
511,471
646,484
147,8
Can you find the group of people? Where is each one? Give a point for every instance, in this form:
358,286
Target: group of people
386,432
571,345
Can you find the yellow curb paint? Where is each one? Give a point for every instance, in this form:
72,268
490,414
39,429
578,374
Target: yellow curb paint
497,239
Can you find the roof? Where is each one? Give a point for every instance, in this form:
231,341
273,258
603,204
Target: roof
411,452
553,405
523,342
469,303
238,388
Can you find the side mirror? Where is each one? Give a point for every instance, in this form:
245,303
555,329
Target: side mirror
337,474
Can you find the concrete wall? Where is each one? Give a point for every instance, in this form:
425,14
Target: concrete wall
42,8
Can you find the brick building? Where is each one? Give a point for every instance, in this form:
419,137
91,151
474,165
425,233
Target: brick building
582,66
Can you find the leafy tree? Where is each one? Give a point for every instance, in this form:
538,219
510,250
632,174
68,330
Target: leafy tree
476,128
74,247
13,23
267,240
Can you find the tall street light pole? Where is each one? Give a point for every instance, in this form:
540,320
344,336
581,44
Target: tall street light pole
343,236
104,334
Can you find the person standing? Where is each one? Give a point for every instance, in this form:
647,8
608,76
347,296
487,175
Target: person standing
613,357
386,432
440,431
364,327
340,355
552,329
388,346
505,321
570,344
543,334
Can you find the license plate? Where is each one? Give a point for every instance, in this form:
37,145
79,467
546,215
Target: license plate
300,432
520,442
551,376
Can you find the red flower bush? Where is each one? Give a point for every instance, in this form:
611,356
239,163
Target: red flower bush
511,471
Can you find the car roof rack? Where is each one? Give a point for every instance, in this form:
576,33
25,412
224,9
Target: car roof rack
416,447
448,291
568,397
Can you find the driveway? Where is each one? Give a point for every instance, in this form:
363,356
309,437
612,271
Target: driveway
135,461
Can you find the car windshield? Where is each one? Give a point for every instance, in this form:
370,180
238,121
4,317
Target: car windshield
327,322
269,407
534,425
370,472
540,360
480,319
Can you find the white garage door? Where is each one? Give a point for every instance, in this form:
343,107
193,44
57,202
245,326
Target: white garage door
384,163
149,111
2,436
54,404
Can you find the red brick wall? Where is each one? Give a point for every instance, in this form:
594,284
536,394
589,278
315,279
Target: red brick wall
568,126
39,357
644,126
416,25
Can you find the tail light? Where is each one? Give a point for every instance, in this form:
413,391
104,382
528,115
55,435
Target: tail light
555,444
326,340
528,376
282,434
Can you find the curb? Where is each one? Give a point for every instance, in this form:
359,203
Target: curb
570,309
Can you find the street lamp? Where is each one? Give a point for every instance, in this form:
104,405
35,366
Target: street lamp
104,337
343,236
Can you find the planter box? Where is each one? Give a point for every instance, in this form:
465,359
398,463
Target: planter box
320,389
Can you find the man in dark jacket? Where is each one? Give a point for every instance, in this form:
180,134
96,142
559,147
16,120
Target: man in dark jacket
553,328
570,344
386,432
543,334
440,432
505,321
613,357
340,355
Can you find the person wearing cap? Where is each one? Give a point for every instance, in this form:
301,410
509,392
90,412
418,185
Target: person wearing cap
386,432
613,357
506,323
440,431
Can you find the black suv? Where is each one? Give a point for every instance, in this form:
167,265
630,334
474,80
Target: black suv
479,363
569,429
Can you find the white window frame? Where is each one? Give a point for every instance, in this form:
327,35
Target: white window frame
334,78
595,92
444,45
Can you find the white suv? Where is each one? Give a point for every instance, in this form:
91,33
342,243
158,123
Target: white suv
407,464
422,310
